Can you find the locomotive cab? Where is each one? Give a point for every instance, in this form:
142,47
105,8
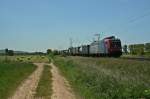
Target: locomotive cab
113,46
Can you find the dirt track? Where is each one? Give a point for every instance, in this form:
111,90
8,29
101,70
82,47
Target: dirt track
61,88
27,89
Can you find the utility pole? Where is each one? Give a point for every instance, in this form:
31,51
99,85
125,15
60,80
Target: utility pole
98,40
98,37
71,42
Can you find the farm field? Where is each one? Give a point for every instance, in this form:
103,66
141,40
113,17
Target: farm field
11,75
25,58
106,78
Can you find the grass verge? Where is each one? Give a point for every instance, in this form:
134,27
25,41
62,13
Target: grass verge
107,78
44,89
11,75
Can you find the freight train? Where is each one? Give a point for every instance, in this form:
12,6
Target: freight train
109,46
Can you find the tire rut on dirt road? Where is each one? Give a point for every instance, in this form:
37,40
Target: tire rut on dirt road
60,86
27,89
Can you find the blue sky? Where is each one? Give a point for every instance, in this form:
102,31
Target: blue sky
35,25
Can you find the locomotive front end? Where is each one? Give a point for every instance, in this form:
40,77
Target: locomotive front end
113,46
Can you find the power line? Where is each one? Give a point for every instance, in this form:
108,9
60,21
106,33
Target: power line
139,17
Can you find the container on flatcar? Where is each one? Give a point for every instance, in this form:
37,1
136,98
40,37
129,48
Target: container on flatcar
84,50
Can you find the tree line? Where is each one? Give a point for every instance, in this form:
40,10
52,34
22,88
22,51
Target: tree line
54,52
137,49
9,52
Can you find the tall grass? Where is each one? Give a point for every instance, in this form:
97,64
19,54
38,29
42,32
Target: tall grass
107,78
11,75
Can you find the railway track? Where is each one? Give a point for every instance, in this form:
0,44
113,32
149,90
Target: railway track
136,58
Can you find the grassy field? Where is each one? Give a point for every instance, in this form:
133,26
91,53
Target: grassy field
106,78
25,58
11,75
44,89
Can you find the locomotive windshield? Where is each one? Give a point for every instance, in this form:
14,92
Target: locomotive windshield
116,44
